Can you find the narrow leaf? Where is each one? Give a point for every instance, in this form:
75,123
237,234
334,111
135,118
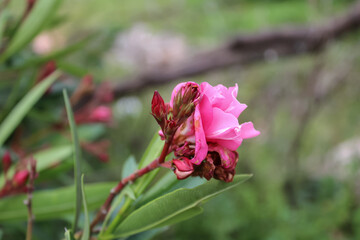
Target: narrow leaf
3,18
162,210
86,231
161,186
77,158
24,106
53,204
187,214
67,234
129,167
152,151
39,16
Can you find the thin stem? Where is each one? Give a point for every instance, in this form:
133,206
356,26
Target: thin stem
28,201
137,174
28,204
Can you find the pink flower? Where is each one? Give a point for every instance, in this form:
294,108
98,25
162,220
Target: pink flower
215,120
206,141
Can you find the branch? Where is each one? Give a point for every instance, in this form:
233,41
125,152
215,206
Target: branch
124,182
243,50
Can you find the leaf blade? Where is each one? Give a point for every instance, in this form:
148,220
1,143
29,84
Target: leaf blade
41,13
154,214
67,234
23,107
77,158
54,203
86,231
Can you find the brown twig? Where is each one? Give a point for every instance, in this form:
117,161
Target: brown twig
28,201
247,49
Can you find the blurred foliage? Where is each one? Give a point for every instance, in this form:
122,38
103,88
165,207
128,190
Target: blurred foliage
296,191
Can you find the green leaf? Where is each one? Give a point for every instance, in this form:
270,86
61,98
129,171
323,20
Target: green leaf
53,204
46,159
129,192
67,234
129,167
86,231
172,207
161,186
3,18
24,106
39,16
77,158
152,151
187,214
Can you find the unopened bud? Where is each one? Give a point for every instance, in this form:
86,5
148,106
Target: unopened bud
184,101
158,109
183,168
20,178
6,161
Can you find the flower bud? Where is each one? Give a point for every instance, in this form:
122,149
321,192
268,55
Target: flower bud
184,101
158,109
20,178
6,161
183,168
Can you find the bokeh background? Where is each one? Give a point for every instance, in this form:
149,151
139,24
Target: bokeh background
306,182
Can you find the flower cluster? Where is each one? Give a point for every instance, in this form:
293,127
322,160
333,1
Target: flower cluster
205,141
18,182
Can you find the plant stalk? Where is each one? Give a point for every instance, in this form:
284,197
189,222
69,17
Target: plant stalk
100,216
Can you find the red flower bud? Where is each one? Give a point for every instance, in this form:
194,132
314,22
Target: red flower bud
183,168
6,161
158,109
20,178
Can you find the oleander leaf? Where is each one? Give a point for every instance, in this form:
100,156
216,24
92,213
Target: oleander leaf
53,204
172,207
18,113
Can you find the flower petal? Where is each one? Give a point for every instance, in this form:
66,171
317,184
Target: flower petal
201,147
247,130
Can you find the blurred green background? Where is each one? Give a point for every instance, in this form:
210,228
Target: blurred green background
306,182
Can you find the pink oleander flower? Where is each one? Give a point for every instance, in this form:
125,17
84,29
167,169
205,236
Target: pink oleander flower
210,136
